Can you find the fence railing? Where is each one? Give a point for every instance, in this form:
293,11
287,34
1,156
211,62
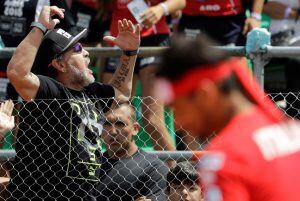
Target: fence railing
42,175
162,155
260,57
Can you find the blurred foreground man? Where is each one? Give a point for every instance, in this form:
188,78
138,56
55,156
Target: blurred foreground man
255,152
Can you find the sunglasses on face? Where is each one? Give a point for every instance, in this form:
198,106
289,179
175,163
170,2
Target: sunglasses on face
77,48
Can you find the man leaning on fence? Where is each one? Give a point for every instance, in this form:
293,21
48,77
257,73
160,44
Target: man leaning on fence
57,151
128,173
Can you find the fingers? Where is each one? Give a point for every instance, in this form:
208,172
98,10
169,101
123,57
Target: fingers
110,39
138,29
120,26
246,27
54,10
55,22
8,107
131,26
125,25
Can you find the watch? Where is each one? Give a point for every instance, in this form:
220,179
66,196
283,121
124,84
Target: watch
39,26
131,52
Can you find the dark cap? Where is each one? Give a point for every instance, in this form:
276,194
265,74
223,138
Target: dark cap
54,43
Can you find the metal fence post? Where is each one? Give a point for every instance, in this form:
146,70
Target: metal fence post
259,59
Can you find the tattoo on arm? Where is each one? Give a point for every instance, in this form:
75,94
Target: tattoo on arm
121,75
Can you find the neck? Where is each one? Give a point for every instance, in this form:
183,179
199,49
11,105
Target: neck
124,153
240,104
234,104
67,83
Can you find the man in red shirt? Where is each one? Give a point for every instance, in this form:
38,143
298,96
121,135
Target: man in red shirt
255,150
155,32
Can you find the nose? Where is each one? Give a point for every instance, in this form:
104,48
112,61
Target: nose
185,194
85,53
113,131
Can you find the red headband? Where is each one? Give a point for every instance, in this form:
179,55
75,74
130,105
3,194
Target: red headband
216,72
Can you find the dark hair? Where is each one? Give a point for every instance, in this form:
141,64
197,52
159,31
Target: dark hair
183,173
128,104
186,54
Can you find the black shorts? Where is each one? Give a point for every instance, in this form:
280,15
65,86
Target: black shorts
153,40
225,30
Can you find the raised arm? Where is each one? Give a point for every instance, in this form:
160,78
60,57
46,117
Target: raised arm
279,11
19,67
128,40
255,19
152,15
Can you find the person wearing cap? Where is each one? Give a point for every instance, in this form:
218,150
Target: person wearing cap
254,151
58,149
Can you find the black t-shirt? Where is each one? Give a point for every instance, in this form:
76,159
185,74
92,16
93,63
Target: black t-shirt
58,145
127,179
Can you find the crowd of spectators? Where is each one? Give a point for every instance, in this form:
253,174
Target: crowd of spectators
54,67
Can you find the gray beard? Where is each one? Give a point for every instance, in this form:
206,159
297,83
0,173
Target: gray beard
80,78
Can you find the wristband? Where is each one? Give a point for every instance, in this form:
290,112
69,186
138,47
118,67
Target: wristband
287,12
39,26
130,52
165,8
256,16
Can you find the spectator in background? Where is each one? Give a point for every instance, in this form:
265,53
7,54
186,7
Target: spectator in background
183,183
155,32
79,15
126,172
15,19
285,30
59,131
225,21
254,154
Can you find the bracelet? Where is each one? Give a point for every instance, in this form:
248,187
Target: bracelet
165,8
39,26
175,21
256,16
287,12
130,52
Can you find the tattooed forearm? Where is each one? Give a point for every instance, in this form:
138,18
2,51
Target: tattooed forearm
122,78
122,73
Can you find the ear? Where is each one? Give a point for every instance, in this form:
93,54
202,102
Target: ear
60,66
136,128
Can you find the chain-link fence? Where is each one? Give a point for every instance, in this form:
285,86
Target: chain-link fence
70,150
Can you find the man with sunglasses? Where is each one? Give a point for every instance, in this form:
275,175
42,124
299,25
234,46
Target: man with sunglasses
58,147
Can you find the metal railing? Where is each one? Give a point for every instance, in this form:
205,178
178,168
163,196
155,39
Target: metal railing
259,58
163,155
